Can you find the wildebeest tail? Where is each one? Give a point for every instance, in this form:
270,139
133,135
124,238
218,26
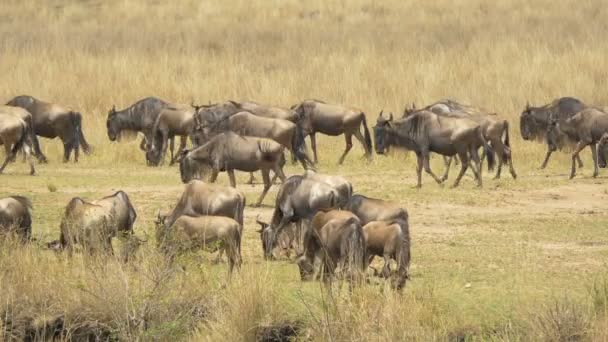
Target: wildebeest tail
488,151
356,251
368,137
78,135
298,146
22,139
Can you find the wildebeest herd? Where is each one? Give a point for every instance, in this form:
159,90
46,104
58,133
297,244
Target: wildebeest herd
333,230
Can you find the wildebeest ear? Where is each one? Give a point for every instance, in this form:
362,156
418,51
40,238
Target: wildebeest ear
113,110
527,105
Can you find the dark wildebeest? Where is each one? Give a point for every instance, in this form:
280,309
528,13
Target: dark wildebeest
318,117
534,124
387,240
15,136
171,121
229,152
336,240
266,110
343,187
139,117
15,216
52,121
586,128
297,201
424,132
246,124
27,117
210,233
94,224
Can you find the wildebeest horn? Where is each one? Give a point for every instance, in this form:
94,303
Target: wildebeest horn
413,105
113,108
527,105
390,118
381,112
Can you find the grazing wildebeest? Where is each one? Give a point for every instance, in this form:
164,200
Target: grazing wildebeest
52,121
246,124
15,135
424,132
15,216
318,117
139,117
534,124
336,239
94,224
210,233
586,128
266,110
297,201
27,117
387,240
229,152
342,186
285,241
171,121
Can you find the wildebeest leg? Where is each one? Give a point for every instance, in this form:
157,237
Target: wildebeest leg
359,137
349,144
580,161
386,270
448,163
30,158
427,167
464,165
419,169
313,145
163,148
213,177
232,178
596,171
267,185
171,149
544,165
476,166
579,147
182,146
67,150
8,156
251,178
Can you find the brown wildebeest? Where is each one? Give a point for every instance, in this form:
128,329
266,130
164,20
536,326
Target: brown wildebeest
52,121
229,152
343,187
285,241
534,124
387,240
424,132
15,135
586,128
318,117
266,110
138,117
27,117
210,233
246,124
15,216
94,224
297,201
171,121
336,239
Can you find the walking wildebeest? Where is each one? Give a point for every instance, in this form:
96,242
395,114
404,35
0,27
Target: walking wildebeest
139,117
336,240
246,124
210,233
387,240
171,121
424,132
27,117
319,117
15,135
343,187
586,128
297,201
228,152
266,110
15,216
534,124
52,121
94,224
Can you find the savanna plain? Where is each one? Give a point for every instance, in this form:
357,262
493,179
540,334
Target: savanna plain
517,260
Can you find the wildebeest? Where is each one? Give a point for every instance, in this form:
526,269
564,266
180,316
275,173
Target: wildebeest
285,241
211,233
534,124
586,128
203,199
343,187
246,124
336,239
229,152
15,216
15,135
297,201
319,117
424,132
29,121
388,240
139,117
52,121
266,110
171,121
94,224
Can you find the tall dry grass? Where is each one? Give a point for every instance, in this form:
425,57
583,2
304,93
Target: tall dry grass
370,54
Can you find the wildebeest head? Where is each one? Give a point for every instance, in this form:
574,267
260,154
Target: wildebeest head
186,167
113,125
266,235
132,215
528,124
302,118
381,132
160,228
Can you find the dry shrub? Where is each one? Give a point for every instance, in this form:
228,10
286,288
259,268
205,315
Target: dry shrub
561,320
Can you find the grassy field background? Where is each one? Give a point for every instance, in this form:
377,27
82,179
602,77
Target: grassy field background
517,260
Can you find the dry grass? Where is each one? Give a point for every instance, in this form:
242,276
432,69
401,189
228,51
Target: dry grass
487,264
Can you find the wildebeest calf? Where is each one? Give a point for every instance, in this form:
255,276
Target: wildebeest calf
15,216
388,240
